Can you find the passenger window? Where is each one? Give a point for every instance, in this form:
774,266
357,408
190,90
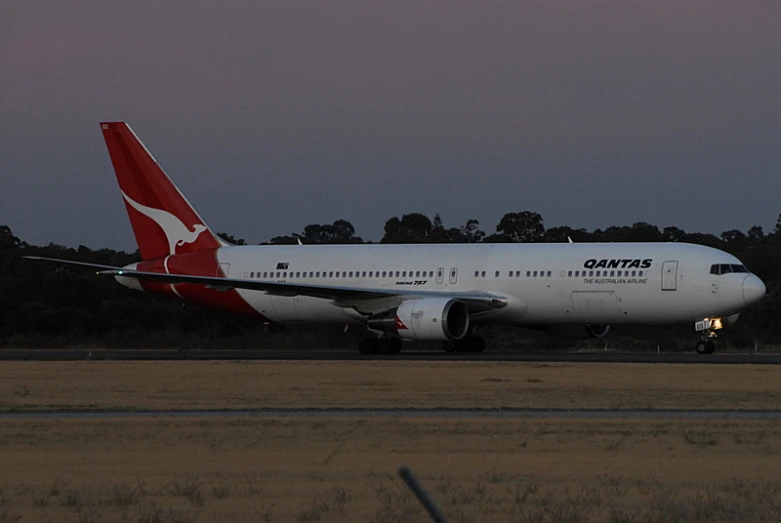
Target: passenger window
577,274
528,273
364,274
590,274
612,273
640,273
634,273
535,274
497,274
252,274
331,274
383,274
311,274
404,274
417,274
371,274
298,274
549,273
569,274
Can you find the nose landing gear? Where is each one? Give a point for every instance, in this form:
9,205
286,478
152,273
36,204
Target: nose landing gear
706,345
708,328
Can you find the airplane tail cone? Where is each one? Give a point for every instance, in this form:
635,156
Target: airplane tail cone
163,221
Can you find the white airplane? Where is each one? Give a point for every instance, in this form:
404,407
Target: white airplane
418,292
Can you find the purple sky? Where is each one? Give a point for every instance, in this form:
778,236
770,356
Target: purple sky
273,115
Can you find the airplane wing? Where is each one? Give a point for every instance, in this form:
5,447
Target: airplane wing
478,301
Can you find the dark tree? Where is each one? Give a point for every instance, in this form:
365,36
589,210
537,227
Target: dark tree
411,228
673,234
521,227
231,239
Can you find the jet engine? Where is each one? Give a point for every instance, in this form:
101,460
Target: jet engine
425,319
597,331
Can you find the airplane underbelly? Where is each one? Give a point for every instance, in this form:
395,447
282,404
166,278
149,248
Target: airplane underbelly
295,309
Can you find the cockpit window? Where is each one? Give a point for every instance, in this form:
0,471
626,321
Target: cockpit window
727,269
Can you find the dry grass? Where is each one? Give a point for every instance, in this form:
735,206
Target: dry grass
158,470
250,385
320,469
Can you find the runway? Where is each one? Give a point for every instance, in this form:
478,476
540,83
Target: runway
429,413
324,355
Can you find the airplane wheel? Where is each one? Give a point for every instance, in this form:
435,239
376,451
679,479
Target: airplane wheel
391,346
476,344
464,345
365,346
705,347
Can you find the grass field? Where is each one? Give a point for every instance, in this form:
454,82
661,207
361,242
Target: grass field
342,470
320,469
258,384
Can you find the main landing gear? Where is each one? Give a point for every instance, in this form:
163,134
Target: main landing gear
379,345
707,328
468,344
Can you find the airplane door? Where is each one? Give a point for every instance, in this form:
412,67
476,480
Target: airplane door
669,275
223,270
453,275
440,275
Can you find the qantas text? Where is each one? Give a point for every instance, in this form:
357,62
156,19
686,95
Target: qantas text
618,264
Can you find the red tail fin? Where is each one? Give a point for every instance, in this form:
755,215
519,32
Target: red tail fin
163,220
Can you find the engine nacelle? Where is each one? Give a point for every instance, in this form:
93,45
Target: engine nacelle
578,332
425,319
597,331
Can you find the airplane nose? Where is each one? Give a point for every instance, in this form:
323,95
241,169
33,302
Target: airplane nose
753,289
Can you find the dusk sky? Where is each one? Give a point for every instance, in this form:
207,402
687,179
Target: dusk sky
273,115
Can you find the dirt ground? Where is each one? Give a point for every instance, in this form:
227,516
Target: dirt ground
259,384
343,470
319,469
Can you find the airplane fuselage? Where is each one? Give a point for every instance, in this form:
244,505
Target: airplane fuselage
542,284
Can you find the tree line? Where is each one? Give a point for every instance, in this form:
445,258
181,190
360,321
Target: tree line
43,304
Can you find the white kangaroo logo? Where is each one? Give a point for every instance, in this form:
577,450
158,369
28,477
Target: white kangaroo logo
175,231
